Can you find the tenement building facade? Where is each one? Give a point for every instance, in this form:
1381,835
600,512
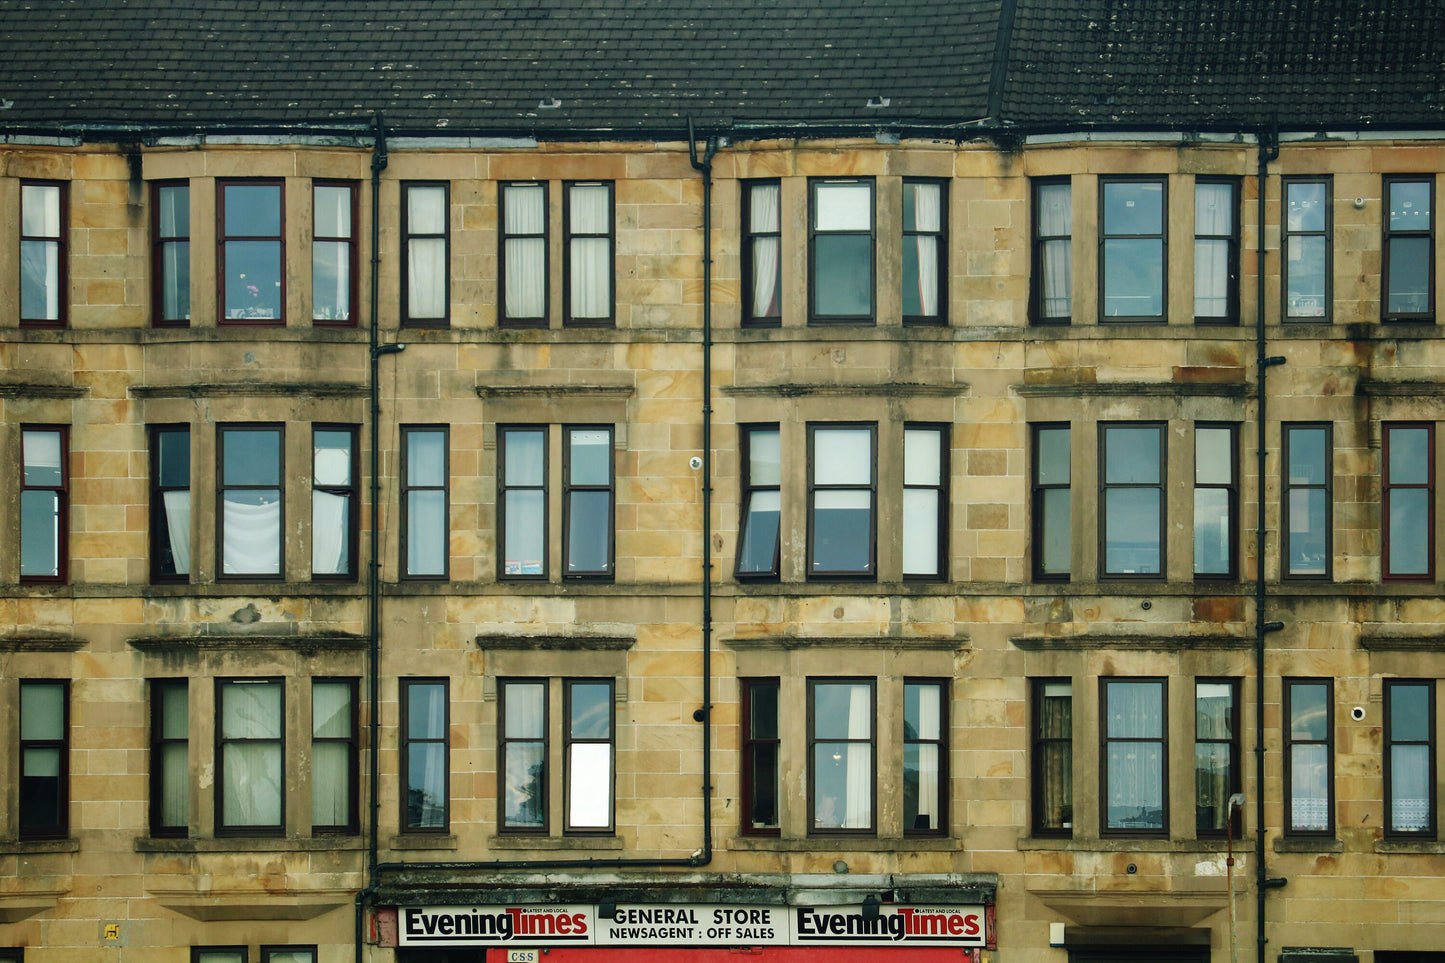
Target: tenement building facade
932,481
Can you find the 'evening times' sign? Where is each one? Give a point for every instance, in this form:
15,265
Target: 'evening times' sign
692,925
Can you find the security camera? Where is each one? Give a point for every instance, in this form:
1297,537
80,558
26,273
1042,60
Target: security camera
1358,713
695,462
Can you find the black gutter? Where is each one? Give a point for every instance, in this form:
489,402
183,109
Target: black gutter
1268,150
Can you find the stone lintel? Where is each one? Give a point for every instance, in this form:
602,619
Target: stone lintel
41,643
619,392
314,389
951,643
302,643
289,904
1132,389
1153,643
1403,643
22,390
556,643
796,390
1171,908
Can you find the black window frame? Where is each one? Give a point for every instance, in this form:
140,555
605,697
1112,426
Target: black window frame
1039,243
752,743
505,488
750,236
1233,743
1287,488
268,950
1388,238
1326,234
1288,685
814,316
1161,487
279,428
570,739
1430,830
940,744
1231,574
870,573
813,741
1106,739
504,318
352,743
1388,487
407,488
222,828
1041,762
353,259
749,489
162,557
568,236
240,951
351,492
569,488
1038,520
1162,236
159,743
61,242
941,493
407,740
59,826
505,740
61,495
162,243
940,318
223,238
1231,314
408,236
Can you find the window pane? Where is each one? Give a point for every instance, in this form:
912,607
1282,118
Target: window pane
253,279
253,784
1309,712
843,207
922,456
759,543
1058,279
842,785
920,787
42,711
1213,456
590,457
426,785
1135,710
331,280
842,529
253,210
588,205
1308,545
920,531
1309,788
330,784
589,516
1133,517
39,533
1213,209
1057,544
1409,205
426,715
426,276
843,456
426,209
526,702
1306,207
1212,550
1212,779
1409,456
765,460
524,529
1211,278
251,457
591,710
40,210
1409,788
1409,708
590,772
1307,456
41,453
331,710
1409,532
252,526
174,457
1053,467
332,212
1134,277
842,710
1408,285
332,452
1133,207
764,778
426,458
1132,455
591,277
843,275
526,765
1305,296
921,715
526,209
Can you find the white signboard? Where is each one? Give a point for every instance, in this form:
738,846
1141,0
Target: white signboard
680,924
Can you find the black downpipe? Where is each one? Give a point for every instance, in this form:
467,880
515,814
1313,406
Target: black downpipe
1268,150
373,563
704,714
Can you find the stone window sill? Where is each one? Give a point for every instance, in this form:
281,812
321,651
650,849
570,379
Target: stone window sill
1134,844
1305,844
31,847
516,843
844,844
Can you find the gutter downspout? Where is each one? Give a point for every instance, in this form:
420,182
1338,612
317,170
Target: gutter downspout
704,714
1268,150
704,855
373,563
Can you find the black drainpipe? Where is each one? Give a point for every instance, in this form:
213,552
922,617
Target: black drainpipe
1268,150
373,563
704,714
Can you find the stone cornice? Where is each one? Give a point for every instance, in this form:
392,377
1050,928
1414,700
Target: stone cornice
555,643
301,643
41,643
952,643
17,389
1153,643
1400,389
797,390
1130,389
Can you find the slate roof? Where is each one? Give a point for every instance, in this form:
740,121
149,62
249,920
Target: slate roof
642,67
1202,63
